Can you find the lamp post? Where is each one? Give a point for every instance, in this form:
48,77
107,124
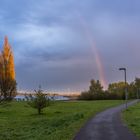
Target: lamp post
126,96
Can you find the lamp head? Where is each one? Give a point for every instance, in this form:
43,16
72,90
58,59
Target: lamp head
122,68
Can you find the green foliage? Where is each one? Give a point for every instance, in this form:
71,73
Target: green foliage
95,91
86,96
38,101
7,89
61,120
117,89
134,89
95,87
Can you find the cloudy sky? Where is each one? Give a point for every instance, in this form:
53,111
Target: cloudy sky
62,44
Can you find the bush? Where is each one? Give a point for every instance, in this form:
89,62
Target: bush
115,91
101,96
38,101
7,89
85,96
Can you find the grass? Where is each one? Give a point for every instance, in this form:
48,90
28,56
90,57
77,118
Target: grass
60,121
132,118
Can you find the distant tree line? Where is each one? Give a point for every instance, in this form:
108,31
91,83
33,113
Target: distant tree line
114,91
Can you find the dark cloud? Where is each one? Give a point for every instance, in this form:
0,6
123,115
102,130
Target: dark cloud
52,48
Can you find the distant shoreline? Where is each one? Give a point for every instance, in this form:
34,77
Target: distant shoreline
66,94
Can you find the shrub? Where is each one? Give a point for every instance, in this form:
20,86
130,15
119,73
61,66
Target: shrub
38,101
7,89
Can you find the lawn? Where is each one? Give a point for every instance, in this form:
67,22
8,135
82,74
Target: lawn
60,121
132,118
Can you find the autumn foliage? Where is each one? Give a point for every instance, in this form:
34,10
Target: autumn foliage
7,72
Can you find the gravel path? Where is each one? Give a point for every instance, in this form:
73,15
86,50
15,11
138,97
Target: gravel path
106,125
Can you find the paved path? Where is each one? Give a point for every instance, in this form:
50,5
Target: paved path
106,125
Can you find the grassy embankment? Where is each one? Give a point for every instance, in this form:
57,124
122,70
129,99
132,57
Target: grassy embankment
132,118
60,121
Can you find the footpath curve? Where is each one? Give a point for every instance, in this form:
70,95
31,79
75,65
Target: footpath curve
106,125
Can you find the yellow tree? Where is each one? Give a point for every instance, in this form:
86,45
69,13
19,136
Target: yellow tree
7,72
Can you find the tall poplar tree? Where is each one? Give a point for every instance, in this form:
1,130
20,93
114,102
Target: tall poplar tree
7,72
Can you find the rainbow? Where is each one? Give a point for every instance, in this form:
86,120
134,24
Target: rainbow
94,49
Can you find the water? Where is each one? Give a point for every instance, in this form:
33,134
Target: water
57,98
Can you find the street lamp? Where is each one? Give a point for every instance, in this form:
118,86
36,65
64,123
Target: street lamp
126,96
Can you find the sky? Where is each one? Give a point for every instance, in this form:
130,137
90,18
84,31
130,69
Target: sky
63,44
